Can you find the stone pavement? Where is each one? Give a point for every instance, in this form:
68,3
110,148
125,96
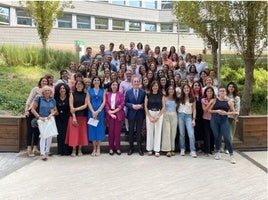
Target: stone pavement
134,177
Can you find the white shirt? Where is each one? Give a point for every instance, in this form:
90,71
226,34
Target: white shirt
113,101
186,108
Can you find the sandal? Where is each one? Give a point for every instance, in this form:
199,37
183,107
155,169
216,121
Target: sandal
168,154
98,152
80,153
93,153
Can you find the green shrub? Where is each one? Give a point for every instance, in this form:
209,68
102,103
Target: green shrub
33,56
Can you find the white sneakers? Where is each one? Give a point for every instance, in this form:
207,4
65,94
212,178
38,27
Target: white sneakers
193,154
217,156
232,160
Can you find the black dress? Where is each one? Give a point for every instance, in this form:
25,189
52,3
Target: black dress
199,128
62,123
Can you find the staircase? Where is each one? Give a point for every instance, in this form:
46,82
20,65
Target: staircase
104,144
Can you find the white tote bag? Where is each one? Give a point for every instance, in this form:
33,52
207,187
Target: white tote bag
47,128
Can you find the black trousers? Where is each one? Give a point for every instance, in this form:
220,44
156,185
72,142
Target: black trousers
32,133
208,137
135,124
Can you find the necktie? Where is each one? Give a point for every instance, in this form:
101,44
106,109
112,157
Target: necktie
136,94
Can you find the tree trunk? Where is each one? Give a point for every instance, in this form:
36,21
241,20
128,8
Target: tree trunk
248,87
214,48
249,59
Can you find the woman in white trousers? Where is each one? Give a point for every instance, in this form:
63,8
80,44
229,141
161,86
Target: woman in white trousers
44,107
154,105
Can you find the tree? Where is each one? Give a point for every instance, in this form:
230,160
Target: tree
44,14
247,32
244,25
204,17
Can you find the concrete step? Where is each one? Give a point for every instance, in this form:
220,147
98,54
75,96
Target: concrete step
123,137
88,149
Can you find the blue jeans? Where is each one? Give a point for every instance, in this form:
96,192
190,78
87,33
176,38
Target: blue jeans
221,127
186,120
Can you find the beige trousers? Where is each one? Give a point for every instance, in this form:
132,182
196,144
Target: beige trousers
169,130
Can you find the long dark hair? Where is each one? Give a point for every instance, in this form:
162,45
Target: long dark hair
57,90
40,80
209,88
92,85
235,93
181,99
174,96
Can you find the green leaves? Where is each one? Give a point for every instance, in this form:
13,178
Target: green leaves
44,14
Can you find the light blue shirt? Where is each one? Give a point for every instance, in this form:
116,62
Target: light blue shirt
45,106
171,106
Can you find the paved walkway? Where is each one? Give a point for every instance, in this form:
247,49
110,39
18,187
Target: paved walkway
134,177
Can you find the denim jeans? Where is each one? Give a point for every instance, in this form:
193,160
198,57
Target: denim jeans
221,127
186,120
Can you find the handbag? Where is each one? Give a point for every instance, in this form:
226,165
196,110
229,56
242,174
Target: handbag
34,123
47,128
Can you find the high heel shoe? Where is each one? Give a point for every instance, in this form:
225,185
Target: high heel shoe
118,152
111,152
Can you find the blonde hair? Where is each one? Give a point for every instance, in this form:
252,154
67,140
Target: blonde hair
46,87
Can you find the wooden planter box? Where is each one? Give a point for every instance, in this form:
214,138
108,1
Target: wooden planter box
10,130
252,130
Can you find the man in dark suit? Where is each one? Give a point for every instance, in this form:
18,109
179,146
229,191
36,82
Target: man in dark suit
134,101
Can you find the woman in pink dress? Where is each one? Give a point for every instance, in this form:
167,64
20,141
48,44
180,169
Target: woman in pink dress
115,115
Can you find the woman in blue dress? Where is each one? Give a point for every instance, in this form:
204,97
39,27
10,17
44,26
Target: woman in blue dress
96,104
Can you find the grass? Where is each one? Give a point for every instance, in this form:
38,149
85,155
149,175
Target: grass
16,84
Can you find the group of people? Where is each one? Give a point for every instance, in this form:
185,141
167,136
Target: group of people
158,95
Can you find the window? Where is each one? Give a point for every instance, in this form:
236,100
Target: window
122,2
65,21
150,4
23,18
166,4
134,26
135,3
150,27
101,23
183,28
4,15
118,24
83,22
166,27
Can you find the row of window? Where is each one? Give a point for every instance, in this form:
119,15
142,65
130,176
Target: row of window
101,23
84,22
165,4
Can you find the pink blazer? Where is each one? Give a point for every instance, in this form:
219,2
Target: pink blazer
119,103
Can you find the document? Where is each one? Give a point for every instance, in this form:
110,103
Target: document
93,122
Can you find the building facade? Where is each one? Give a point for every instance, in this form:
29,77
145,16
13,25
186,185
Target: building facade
101,22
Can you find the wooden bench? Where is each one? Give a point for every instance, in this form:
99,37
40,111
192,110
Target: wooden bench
252,130
10,132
